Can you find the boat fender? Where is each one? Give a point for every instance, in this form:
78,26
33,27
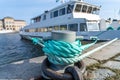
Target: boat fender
75,71
118,28
51,74
110,28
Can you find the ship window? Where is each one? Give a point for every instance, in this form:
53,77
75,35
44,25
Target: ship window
70,8
93,26
89,10
38,30
32,30
83,27
42,29
95,11
62,11
73,27
50,28
55,13
38,19
78,8
26,30
44,17
84,8
51,15
45,29
63,27
56,27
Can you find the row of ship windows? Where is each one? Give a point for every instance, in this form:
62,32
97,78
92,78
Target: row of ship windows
56,13
71,27
62,11
69,9
86,9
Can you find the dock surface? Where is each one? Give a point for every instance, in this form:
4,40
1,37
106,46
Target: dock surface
103,64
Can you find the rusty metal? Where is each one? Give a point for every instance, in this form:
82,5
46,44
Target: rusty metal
81,65
75,71
67,75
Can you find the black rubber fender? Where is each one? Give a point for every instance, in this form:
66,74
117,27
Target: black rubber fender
60,76
75,72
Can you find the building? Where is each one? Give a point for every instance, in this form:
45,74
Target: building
9,23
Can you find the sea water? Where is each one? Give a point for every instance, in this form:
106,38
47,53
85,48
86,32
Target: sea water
13,48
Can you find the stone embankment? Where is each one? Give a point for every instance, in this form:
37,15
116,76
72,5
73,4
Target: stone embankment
105,63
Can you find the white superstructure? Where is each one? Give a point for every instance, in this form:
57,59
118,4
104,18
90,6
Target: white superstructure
75,15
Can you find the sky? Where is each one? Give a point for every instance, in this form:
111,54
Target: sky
27,9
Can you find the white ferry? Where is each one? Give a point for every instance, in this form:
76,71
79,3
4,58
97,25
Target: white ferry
74,15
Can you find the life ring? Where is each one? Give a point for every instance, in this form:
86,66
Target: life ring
67,75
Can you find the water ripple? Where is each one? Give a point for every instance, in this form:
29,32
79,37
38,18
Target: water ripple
12,48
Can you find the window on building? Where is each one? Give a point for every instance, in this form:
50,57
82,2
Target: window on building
55,14
6,22
73,27
63,27
62,11
78,8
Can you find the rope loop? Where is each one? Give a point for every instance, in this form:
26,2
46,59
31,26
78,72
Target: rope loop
61,52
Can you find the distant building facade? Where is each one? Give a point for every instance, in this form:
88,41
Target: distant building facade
9,23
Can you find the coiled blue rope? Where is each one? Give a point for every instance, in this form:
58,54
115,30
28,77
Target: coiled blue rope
62,53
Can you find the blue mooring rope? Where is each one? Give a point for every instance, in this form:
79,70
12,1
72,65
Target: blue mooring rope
62,53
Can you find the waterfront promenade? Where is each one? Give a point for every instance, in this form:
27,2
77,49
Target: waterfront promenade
102,65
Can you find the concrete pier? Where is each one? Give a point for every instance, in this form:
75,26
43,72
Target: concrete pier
101,65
